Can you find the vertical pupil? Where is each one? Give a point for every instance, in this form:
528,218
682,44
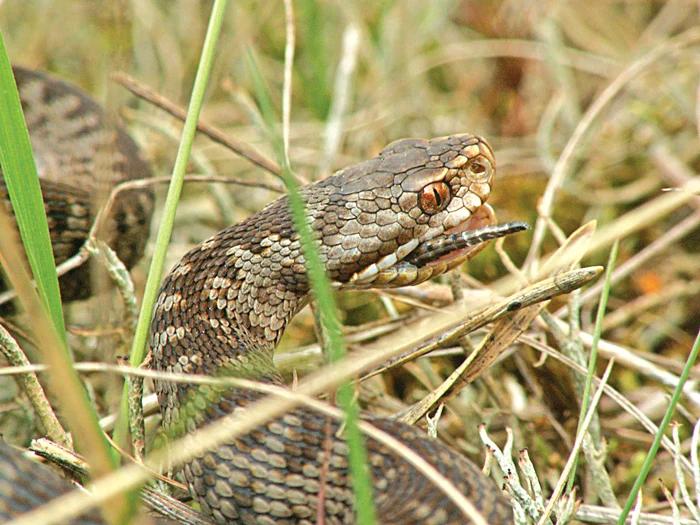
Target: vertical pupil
436,193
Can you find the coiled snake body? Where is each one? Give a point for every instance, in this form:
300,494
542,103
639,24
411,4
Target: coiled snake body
224,307
80,158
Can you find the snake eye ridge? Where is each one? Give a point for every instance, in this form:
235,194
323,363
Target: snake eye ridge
434,197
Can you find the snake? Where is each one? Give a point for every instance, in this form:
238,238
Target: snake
81,155
413,212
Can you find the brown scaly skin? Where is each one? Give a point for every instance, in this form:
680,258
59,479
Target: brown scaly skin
223,309
80,156
26,484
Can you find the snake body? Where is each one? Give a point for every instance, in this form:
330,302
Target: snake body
224,307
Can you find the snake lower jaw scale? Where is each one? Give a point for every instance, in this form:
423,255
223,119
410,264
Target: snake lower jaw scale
368,275
413,263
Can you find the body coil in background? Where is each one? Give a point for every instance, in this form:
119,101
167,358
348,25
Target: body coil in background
81,154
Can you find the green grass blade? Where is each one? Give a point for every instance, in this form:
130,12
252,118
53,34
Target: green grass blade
646,466
593,358
19,171
45,310
165,230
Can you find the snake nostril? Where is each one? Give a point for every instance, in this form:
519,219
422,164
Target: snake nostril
481,169
434,197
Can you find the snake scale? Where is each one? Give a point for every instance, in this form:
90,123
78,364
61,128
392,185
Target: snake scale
222,310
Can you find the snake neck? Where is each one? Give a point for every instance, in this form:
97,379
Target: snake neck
224,307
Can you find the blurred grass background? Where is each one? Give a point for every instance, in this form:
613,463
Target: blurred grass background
520,73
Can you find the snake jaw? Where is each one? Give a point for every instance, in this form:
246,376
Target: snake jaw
368,275
394,271
482,217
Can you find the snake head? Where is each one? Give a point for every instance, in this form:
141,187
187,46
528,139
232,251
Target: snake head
415,192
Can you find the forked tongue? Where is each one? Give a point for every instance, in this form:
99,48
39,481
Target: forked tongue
453,244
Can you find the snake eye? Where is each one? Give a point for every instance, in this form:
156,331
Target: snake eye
434,197
481,169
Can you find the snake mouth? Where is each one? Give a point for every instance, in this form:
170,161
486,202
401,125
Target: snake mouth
417,261
442,249
464,241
